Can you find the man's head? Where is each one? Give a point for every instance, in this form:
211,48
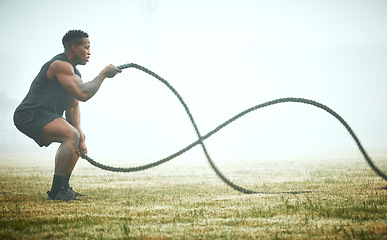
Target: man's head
77,46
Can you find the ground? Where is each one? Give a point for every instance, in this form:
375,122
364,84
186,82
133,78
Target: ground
184,199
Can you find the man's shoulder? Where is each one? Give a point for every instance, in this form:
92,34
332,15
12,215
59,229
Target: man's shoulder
58,67
58,60
60,64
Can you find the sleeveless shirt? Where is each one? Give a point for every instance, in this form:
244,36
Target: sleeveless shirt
45,101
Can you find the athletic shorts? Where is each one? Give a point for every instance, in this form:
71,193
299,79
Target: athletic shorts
31,123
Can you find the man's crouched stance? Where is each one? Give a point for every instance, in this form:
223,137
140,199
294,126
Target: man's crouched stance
55,91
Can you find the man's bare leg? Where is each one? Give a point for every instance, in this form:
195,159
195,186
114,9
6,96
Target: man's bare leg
61,131
66,183
73,163
64,159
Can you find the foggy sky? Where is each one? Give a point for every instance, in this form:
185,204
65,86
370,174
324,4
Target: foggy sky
222,57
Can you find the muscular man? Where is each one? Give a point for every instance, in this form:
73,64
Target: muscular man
56,90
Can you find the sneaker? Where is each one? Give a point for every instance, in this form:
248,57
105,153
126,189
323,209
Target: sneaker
62,196
73,193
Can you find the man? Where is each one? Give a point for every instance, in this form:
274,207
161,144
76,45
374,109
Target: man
56,90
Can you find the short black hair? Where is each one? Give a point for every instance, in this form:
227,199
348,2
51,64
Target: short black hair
73,37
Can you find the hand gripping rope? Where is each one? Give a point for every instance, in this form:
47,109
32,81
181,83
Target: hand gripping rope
202,138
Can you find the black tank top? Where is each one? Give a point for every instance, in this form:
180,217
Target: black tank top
46,94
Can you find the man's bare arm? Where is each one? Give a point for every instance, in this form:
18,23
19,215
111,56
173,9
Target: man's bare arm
64,72
73,116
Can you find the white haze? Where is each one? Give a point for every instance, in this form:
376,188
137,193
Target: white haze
222,57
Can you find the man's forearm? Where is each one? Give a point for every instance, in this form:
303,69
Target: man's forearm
89,89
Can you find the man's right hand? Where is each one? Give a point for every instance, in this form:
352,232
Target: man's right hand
110,71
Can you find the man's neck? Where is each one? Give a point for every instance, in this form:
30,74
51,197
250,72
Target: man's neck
70,57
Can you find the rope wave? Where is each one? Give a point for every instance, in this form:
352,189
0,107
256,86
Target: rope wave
201,138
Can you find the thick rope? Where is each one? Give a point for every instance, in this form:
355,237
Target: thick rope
202,138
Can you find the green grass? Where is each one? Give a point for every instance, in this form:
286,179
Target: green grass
186,200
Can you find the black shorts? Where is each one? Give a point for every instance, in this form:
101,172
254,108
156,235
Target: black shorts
31,123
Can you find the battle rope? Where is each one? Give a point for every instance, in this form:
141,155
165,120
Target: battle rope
202,138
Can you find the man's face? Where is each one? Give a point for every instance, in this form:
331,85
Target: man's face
83,51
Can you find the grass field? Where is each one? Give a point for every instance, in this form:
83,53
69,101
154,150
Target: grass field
186,200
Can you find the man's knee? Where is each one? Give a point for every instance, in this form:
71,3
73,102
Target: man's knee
72,135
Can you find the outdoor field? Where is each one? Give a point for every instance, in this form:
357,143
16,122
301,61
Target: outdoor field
186,200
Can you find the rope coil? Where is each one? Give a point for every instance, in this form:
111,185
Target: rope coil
202,138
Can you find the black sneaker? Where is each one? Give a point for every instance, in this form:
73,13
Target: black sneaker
73,193
61,196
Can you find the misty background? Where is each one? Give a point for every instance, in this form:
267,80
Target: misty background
222,57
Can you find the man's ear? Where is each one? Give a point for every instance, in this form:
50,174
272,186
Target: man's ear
74,48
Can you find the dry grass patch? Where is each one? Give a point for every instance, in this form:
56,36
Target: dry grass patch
187,201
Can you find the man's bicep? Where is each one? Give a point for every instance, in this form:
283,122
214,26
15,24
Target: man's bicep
72,83
69,80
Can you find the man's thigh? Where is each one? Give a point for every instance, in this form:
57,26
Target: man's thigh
59,130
